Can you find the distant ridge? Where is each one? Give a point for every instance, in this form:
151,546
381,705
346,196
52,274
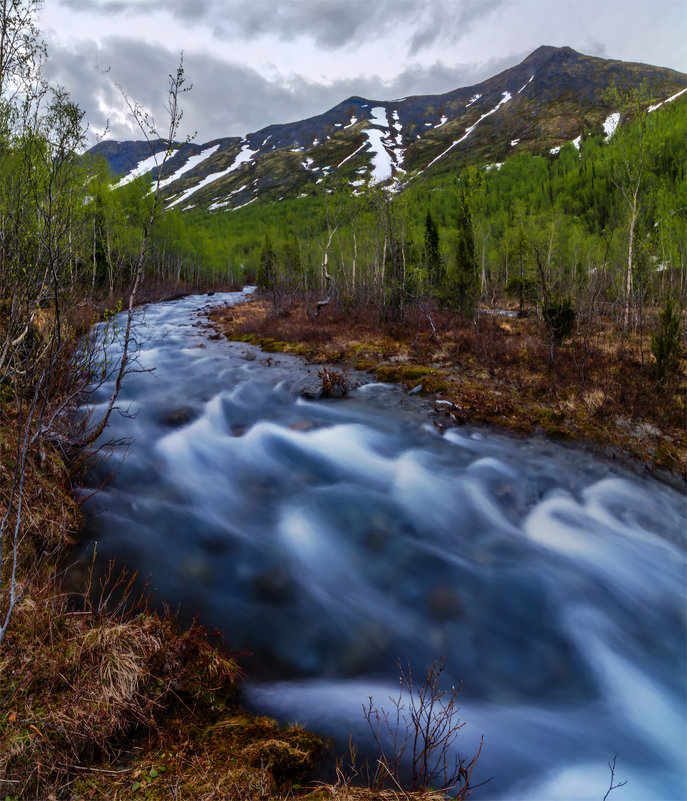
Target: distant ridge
554,96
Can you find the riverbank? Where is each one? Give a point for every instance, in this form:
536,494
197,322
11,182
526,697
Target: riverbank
497,371
102,697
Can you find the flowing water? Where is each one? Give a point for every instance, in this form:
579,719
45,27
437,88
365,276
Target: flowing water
331,539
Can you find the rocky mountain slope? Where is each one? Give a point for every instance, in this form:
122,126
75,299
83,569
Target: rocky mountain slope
555,96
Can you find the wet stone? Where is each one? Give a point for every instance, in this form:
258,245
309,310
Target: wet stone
179,417
274,586
301,425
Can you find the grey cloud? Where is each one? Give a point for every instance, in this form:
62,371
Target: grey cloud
329,23
596,48
339,23
450,22
344,23
227,99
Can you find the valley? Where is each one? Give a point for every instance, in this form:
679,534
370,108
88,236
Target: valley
392,396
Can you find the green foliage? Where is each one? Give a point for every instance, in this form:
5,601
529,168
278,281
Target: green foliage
432,258
266,277
520,281
568,205
559,315
461,285
665,341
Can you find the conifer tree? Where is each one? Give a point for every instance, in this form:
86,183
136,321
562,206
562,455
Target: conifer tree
432,257
665,341
463,284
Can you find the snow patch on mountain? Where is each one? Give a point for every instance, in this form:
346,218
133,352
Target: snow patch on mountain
378,116
506,96
353,121
514,142
576,142
192,162
443,121
144,166
382,163
245,154
524,86
396,123
472,100
610,124
385,145
668,100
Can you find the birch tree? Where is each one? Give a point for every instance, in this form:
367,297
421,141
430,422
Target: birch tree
628,169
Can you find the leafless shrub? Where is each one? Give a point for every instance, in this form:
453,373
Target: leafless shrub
333,380
612,786
421,726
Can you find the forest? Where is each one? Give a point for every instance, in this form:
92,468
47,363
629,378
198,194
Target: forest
604,221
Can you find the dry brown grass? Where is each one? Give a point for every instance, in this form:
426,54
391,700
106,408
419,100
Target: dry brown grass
77,682
340,792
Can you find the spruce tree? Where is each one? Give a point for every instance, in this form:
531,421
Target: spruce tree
463,280
665,341
432,258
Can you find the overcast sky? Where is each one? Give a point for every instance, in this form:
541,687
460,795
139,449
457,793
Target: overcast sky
257,62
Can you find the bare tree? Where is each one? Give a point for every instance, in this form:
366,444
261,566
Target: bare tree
147,127
44,238
611,786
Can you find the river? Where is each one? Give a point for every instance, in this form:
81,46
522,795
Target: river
331,539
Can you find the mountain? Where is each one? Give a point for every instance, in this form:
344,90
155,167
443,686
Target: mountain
555,96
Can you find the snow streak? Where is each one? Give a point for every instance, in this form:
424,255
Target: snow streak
244,155
193,162
506,97
142,168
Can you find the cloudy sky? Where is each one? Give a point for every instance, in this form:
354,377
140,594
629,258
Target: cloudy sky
256,62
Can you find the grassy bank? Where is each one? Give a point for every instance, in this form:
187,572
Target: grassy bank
496,370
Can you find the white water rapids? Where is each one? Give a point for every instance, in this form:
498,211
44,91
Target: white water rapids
332,538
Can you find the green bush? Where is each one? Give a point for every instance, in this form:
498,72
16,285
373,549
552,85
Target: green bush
665,341
559,314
